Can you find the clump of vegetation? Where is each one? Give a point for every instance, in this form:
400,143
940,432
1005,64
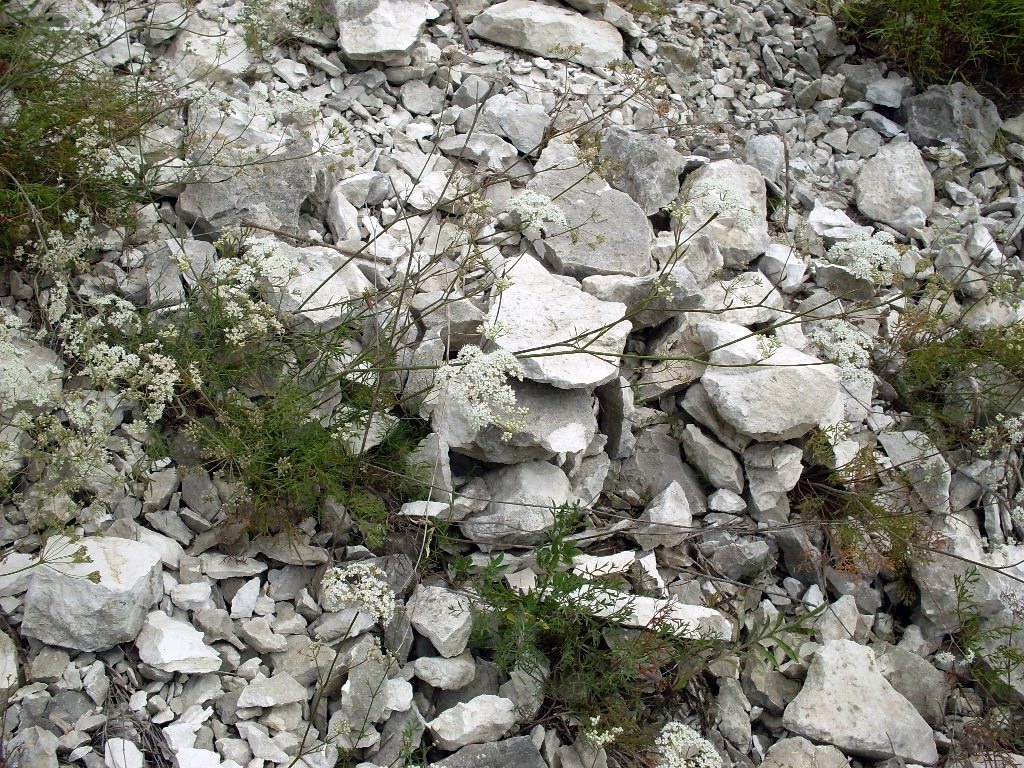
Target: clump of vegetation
296,416
866,527
567,631
592,670
66,126
292,414
989,655
962,380
267,23
942,40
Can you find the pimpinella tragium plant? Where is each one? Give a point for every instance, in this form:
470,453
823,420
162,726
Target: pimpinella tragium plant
572,629
987,654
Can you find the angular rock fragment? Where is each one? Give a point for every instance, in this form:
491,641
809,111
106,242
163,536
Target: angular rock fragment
895,188
174,646
379,30
645,167
443,616
767,394
732,196
549,31
581,337
847,702
605,231
952,113
64,606
798,752
482,719
520,512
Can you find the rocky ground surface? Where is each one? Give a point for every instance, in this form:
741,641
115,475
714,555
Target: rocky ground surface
212,654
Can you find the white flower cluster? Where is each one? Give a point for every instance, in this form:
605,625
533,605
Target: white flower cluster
491,331
873,258
146,375
72,444
1017,512
480,378
599,739
238,282
682,747
847,346
1004,432
361,585
946,661
19,382
57,253
724,201
150,376
534,209
105,160
270,21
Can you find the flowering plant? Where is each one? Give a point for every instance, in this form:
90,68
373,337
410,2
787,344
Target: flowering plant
362,586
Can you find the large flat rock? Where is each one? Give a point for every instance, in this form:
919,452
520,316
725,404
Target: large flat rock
571,340
379,30
847,702
97,602
549,31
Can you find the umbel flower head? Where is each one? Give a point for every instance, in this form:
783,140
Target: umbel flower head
362,586
480,378
682,747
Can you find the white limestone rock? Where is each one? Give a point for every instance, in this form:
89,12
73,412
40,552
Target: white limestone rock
443,616
508,115
244,602
540,310
270,193
895,188
651,299
556,421
748,298
380,30
917,458
8,666
666,521
274,691
32,747
446,674
202,49
482,719
520,512
121,753
322,284
798,752
846,702
174,646
772,470
645,167
784,266
735,194
549,31
765,394
643,612
67,608
199,758
712,459
604,233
